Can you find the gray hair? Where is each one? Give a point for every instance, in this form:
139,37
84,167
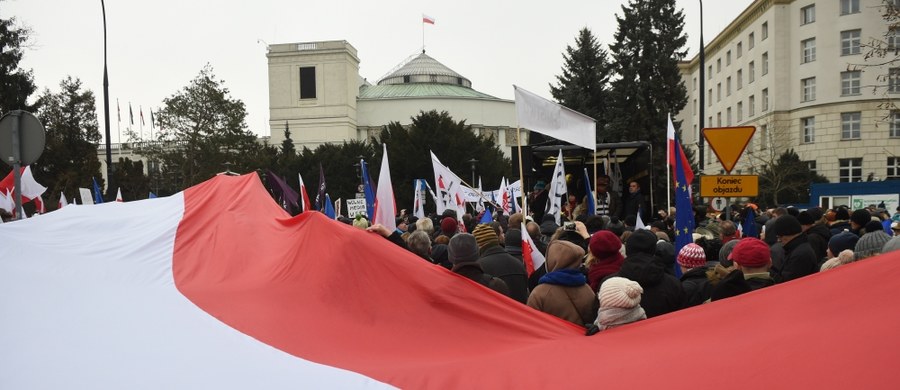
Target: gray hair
419,243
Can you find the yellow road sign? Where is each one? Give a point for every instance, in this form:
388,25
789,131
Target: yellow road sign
728,143
729,186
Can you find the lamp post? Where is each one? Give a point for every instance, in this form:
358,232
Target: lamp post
109,171
360,187
700,142
473,161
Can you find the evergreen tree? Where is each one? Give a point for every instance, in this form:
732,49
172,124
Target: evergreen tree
787,180
130,178
69,160
584,83
206,134
649,42
16,84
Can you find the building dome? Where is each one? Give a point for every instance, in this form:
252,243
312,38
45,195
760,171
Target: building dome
423,69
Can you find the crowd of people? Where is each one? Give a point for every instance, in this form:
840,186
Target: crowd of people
601,272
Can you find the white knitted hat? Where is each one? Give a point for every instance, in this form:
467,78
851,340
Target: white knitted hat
620,292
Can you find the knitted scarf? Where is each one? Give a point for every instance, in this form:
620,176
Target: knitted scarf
564,277
611,317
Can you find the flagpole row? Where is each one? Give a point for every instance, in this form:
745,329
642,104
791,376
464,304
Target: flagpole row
521,174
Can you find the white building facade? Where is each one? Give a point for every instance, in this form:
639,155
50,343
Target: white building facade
798,72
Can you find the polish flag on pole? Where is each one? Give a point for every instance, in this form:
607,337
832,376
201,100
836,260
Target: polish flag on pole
31,189
427,19
119,195
385,206
530,254
670,136
304,197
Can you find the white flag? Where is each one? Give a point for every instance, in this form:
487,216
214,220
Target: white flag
86,196
63,202
119,195
449,189
479,206
557,189
543,116
419,199
504,196
385,208
6,201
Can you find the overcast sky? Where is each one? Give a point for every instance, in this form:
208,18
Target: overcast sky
155,48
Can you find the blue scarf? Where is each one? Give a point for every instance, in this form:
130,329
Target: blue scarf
564,277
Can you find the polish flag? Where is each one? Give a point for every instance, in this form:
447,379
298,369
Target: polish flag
427,19
119,195
307,206
530,254
31,189
218,287
670,136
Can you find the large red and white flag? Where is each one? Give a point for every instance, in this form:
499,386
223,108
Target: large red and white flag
218,287
385,205
530,254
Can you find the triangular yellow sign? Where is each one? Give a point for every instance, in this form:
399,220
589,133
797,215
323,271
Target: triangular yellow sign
728,143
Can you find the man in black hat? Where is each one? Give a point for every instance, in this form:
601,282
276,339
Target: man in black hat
799,257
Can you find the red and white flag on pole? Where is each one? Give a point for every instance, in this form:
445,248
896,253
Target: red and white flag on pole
670,137
385,206
119,195
427,19
530,254
304,197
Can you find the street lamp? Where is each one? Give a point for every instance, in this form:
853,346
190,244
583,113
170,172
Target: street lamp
106,106
473,161
360,187
700,142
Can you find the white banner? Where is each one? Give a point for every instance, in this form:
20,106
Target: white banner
86,196
543,116
356,207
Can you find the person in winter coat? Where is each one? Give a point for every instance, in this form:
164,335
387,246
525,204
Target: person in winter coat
692,260
495,261
620,304
662,292
605,257
563,291
816,233
463,253
799,257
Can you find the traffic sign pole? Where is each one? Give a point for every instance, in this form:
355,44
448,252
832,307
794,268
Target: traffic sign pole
17,163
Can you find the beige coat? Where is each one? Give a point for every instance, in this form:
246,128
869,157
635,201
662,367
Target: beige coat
576,304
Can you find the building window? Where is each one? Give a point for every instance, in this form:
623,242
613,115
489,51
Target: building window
765,99
850,82
850,122
808,50
718,65
894,80
763,136
893,168
308,82
751,106
765,31
709,98
893,39
709,72
740,77
808,86
850,42
728,58
728,116
811,165
808,14
895,124
740,49
718,119
728,86
695,83
750,41
765,63
718,92
849,7
740,111
808,125
751,72
695,107
850,170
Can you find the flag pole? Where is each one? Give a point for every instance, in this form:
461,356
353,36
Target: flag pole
521,174
668,169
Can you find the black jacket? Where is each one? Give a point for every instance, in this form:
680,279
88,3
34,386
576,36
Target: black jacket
697,288
818,236
662,292
495,261
799,261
